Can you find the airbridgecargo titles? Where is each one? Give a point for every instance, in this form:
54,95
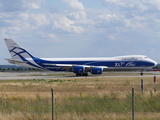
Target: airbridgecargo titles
79,66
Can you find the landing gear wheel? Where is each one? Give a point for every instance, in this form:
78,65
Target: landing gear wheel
78,74
81,74
141,73
85,74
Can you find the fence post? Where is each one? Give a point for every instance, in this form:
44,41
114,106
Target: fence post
154,83
142,85
52,103
132,103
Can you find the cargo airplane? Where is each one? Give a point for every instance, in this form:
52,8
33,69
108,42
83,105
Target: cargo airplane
79,66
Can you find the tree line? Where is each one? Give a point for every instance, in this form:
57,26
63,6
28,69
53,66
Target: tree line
12,68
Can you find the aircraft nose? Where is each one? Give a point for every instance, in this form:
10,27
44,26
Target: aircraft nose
155,63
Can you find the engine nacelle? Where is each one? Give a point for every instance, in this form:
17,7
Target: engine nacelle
96,70
79,69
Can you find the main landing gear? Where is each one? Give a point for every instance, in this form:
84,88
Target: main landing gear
81,74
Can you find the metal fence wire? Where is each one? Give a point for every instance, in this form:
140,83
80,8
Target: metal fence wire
107,107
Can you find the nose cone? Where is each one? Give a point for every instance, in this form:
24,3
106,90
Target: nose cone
155,63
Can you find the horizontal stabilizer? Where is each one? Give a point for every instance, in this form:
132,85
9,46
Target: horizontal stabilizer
15,61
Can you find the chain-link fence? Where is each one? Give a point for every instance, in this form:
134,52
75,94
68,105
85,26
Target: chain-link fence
78,99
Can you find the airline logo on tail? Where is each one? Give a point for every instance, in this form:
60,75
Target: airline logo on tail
16,51
20,55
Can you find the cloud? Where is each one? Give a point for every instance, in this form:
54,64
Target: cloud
19,5
74,4
107,17
34,20
77,15
57,23
109,21
111,37
67,25
34,4
136,5
51,35
120,26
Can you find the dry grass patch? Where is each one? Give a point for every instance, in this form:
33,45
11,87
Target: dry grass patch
78,99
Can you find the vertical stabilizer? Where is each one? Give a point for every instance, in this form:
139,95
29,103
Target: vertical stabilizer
17,52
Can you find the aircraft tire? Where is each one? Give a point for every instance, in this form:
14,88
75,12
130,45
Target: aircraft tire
77,74
141,73
81,74
84,74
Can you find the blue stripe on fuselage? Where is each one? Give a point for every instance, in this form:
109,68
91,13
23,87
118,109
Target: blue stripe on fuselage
129,64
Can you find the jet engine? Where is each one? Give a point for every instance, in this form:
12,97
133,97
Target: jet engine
79,69
96,70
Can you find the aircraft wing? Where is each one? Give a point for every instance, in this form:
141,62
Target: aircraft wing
69,66
64,66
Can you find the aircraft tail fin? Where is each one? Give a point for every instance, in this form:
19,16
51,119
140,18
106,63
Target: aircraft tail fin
16,51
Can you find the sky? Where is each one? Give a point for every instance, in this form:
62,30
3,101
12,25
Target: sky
81,28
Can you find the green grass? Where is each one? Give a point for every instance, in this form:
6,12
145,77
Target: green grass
78,99
81,104
90,104
38,105
109,104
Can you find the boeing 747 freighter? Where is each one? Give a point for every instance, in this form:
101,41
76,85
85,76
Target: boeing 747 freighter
79,66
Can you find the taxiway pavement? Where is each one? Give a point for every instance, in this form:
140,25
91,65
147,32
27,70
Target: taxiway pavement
44,75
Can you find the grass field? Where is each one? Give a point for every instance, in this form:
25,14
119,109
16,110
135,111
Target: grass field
78,99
